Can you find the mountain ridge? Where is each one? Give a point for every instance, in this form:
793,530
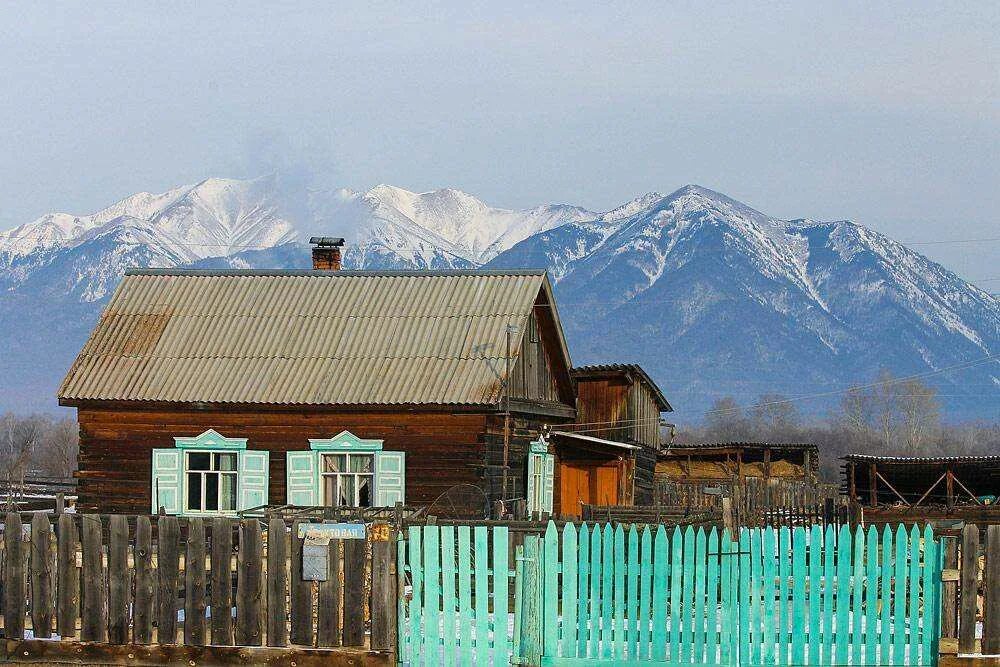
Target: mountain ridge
712,296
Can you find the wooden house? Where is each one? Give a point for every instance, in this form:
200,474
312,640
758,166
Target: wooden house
204,392
607,457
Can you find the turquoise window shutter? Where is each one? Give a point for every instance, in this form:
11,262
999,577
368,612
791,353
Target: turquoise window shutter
253,479
390,478
549,481
302,478
534,461
167,478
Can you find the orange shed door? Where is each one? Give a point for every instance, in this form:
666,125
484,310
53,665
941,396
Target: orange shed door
606,485
574,488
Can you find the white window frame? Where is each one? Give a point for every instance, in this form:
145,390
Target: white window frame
324,477
187,471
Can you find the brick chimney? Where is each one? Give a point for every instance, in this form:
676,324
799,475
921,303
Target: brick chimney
326,253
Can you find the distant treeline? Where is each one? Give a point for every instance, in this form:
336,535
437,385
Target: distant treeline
892,416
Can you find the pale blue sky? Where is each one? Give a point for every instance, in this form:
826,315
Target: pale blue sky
887,114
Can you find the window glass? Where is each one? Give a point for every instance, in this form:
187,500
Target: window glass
212,493
361,463
194,491
199,461
364,491
346,496
225,461
227,494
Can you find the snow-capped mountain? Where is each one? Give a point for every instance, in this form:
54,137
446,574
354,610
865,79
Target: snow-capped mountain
711,296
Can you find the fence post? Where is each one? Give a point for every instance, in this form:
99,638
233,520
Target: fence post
949,590
301,595
991,579
222,581
967,609
167,564
354,587
328,600
384,603
531,618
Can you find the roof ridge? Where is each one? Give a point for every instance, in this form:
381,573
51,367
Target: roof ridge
333,274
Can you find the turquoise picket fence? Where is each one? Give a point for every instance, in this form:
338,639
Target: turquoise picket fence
604,594
456,608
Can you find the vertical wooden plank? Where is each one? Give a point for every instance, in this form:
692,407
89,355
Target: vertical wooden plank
482,599
687,594
931,586
15,585
841,633
328,600
815,593
594,638
712,597
277,583
432,589
570,551
618,649
632,594
991,578
913,606
142,556
607,590
727,616
829,589
501,592
41,576
745,588
194,583
94,617
949,592
384,606
530,642
550,591
518,600
68,578
222,582
119,585
768,557
800,580
354,592
900,572
167,566
697,611
872,570
858,596
756,585
249,585
968,601
415,554
448,594
885,613
661,571
583,618
645,592
465,609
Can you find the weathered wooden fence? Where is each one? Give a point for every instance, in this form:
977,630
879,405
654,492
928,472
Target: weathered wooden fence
160,580
971,593
593,593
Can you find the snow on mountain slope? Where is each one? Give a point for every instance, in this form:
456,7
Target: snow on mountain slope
710,295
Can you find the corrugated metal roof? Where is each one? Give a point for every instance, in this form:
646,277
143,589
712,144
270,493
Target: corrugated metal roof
305,337
920,460
745,445
597,369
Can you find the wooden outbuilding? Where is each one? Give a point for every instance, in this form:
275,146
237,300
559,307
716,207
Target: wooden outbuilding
607,457
738,460
213,392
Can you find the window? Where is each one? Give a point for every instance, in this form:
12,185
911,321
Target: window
208,474
348,479
211,482
540,480
345,471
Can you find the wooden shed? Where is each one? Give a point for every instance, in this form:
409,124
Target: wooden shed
608,456
737,460
211,392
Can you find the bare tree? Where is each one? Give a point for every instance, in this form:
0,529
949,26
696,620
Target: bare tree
724,421
775,418
18,438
